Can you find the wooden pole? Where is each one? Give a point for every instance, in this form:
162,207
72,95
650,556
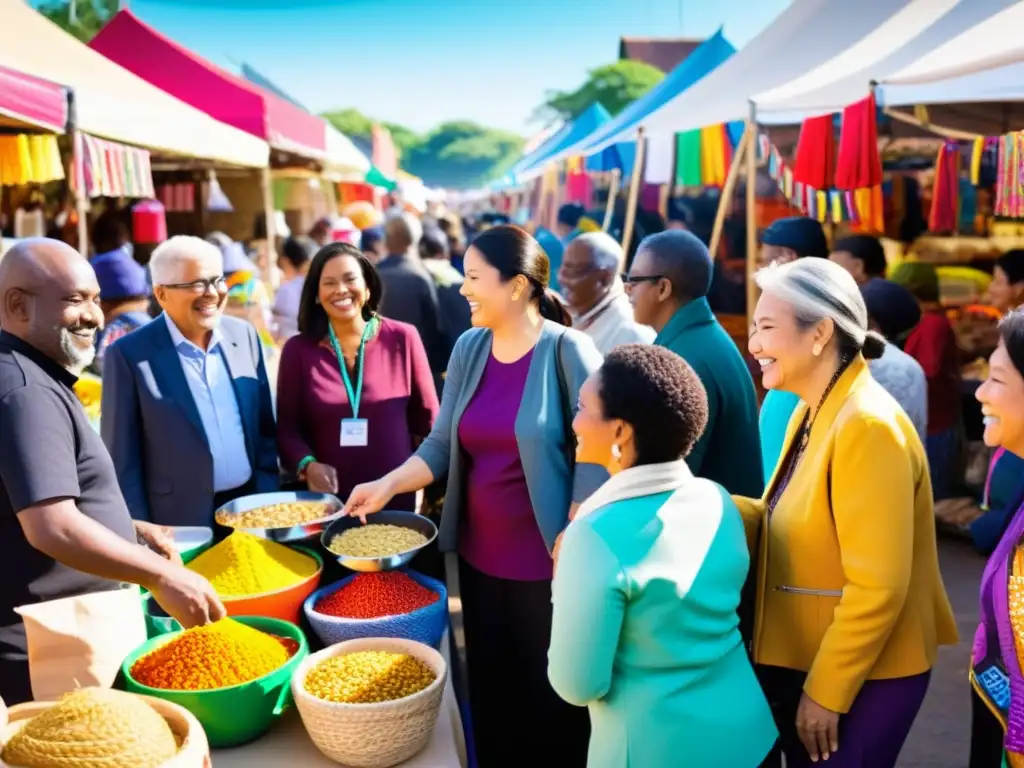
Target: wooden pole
751,213
664,195
729,189
634,190
271,226
613,194
81,196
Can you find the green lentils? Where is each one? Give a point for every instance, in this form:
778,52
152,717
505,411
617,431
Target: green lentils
376,540
368,677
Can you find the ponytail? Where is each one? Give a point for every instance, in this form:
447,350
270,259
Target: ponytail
553,308
874,346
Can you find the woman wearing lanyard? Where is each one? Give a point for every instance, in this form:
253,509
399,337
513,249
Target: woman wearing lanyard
354,393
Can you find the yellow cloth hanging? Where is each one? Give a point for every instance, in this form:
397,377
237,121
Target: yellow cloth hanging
46,162
15,160
712,156
821,205
976,152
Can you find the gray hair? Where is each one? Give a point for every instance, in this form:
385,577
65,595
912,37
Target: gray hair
817,289
604,250
167,258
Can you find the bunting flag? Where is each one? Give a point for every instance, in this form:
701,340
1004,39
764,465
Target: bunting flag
815,159
108,169
822,204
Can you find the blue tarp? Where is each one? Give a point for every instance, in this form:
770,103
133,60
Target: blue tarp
548,144
622,128
592,118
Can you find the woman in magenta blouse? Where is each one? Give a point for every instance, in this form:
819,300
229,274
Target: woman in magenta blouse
341,425
503,439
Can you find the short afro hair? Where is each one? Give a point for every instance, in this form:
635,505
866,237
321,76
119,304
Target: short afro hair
657,392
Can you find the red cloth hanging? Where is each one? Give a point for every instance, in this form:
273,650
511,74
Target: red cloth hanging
815,160
859,165
944,214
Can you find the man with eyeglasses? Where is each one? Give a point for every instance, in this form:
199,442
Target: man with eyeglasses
668,286
187,411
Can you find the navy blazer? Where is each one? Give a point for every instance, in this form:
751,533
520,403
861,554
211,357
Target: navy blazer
151,425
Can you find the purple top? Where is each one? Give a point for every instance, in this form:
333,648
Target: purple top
499,534
398,402
995,613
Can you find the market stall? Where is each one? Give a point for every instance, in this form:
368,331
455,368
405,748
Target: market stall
333,651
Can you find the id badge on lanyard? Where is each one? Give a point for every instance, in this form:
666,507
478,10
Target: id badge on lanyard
355,432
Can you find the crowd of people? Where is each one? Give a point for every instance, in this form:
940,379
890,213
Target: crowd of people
652,568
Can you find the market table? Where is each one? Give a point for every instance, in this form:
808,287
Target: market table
287,744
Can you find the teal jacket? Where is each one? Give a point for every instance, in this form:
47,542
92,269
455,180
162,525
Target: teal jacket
729,451
540,428
776,412
645,631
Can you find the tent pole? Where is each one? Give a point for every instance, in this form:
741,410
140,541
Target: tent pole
613,193
81,196
751,212
634,191
271,225
729,189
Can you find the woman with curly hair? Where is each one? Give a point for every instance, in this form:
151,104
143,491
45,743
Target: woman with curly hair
645,631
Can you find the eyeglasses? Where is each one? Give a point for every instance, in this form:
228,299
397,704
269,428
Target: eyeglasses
199,287
634,279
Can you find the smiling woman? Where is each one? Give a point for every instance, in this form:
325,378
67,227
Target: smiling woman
354,392
996,660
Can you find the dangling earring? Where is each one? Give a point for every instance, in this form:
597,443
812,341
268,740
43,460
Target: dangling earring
816,350
616,453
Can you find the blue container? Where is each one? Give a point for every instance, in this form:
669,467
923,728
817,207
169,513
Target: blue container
426,625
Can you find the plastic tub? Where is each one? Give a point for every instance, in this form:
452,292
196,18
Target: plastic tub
285,604
239,713
426,625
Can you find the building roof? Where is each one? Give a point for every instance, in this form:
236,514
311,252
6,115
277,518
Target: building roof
665,53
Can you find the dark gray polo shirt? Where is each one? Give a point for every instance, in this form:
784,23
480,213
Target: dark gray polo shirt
47,451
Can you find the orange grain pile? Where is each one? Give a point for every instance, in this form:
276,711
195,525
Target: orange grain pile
215,656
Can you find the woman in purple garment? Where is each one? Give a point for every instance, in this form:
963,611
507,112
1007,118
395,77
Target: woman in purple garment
355,395
996,660
504,440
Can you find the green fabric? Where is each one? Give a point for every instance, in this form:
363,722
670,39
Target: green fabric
727,451
776,411
688,159
375,177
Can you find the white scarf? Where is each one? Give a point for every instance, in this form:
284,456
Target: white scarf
616,290
635,482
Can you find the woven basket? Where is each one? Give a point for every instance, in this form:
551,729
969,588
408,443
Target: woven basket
372,735
426,625
193,749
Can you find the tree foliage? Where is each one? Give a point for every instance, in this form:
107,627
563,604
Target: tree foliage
88,17
456,154
614,85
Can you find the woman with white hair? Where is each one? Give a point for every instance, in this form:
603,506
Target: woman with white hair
851,608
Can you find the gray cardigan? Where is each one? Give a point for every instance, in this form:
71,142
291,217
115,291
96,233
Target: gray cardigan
539,428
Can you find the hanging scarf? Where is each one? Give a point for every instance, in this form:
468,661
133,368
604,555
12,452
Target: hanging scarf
637,482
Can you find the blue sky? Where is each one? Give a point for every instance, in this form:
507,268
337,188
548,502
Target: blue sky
420,62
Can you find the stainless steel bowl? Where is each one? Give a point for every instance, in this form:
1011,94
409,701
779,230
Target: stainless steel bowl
385,517
295,533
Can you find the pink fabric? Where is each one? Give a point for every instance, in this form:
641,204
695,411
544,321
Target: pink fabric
385,155
35,101
221,95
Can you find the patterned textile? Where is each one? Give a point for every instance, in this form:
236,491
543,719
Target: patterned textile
108,169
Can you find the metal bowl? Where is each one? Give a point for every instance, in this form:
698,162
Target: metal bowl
295,533
385,517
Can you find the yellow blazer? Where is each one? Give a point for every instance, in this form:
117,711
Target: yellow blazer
849,587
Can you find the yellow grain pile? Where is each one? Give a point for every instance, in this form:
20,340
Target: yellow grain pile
243,565
93,728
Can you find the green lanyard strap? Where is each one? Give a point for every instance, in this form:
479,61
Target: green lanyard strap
354,395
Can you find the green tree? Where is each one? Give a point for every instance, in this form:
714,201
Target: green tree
355,124
88,18
614,85
463,154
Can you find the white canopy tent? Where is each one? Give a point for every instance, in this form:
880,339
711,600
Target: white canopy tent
344,159
807,34
993,43
113,103
909,33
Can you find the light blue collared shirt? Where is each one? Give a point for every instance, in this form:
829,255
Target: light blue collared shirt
209,380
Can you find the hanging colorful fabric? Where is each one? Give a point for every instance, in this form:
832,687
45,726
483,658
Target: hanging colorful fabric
858,164
815,159
688,159
944,215
712,156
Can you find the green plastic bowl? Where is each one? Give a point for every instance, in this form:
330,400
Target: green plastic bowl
157,621
237,714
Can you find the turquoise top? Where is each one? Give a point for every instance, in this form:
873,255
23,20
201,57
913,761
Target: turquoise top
646,635
726,451
776,411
